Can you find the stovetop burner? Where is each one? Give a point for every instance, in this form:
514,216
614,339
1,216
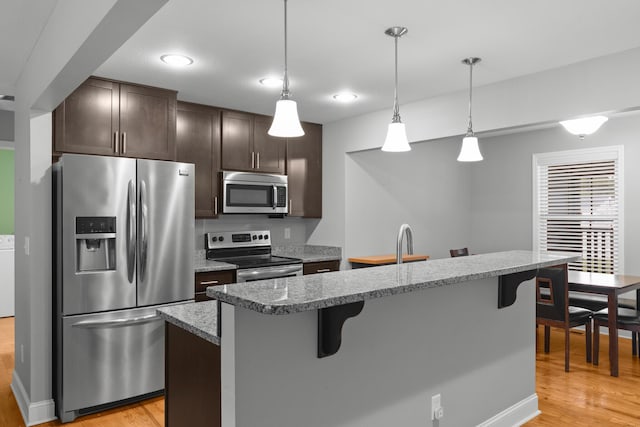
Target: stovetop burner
259,261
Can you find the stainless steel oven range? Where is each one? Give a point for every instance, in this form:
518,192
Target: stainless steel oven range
251,252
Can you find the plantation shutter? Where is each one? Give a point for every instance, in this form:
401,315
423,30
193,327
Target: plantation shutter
579,210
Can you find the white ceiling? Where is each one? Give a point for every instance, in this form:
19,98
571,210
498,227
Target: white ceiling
340,44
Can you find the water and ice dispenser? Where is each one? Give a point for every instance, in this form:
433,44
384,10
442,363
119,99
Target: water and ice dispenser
95,243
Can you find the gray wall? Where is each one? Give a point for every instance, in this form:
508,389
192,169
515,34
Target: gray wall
600,85
426,188
501,185
396,354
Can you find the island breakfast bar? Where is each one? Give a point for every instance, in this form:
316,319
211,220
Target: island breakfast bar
376,346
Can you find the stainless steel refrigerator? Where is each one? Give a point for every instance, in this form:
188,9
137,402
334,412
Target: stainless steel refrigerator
124,245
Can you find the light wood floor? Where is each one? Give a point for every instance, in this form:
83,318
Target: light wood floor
586,396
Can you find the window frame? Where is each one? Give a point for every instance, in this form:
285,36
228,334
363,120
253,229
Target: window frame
567,157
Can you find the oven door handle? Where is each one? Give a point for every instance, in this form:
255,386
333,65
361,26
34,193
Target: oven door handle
271,273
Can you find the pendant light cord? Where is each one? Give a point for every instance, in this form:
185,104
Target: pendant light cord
396,108
285,81
470,128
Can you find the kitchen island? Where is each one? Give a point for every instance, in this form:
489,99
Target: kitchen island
371,347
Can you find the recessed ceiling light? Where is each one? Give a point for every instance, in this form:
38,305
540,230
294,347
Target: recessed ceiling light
177,60
271,82
345,97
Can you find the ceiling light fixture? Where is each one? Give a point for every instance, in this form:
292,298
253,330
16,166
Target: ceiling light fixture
584,126
286,123
271,82
345,97
176,60
396,140
470,152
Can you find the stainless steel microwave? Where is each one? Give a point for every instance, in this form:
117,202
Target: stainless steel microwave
246,192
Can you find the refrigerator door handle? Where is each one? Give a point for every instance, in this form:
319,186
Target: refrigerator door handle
127,321
131,229
144,228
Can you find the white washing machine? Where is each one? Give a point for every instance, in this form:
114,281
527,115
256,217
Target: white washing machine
7,276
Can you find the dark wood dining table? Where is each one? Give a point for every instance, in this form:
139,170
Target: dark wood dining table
611,285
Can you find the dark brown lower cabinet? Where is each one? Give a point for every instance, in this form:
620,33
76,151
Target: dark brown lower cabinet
320,267
192,380
212,278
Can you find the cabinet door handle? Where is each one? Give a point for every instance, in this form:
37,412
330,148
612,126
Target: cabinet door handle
215,205
124,142
323,270
253,160
115,142
258,160
210,282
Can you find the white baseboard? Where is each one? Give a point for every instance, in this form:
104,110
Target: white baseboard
515,415
32,412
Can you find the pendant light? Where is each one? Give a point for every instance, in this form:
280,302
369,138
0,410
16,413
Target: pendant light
286,123
470,152
397,134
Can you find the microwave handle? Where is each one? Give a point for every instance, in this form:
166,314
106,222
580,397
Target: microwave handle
274,201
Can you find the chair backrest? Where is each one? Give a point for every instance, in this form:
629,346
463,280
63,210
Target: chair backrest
552,294
459,252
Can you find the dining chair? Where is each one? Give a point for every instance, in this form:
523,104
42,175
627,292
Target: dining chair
628,320
459,252
596,303
553,309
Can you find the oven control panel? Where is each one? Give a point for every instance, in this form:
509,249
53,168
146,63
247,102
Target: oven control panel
237,239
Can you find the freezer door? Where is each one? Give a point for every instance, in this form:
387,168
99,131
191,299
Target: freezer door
166,212
108,357
98,233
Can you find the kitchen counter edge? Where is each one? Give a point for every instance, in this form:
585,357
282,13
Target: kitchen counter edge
304,293
198,318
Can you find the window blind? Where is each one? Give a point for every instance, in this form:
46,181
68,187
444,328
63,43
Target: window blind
579,211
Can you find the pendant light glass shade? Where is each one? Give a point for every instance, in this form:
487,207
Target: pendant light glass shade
286,123
470,150
584,126
396,140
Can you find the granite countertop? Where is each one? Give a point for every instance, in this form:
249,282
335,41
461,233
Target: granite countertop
303,293
309,253
199,318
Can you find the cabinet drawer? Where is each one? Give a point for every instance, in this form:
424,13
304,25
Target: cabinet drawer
214,278
320,267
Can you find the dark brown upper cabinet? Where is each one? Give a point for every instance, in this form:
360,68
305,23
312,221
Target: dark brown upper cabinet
117,119
198,142
246,145
304,169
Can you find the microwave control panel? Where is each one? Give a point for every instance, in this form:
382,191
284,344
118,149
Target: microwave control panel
282,197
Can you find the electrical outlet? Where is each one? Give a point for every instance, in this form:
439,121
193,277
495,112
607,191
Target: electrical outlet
287,233
437,412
